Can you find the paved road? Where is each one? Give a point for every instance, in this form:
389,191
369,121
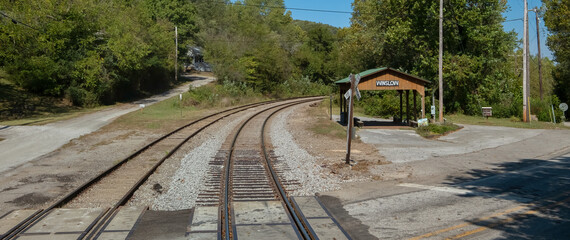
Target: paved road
25,143
531,203
515,189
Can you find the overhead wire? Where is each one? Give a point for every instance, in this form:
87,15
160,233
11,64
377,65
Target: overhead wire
16,21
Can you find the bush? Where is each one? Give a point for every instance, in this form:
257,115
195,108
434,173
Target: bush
543,109
385,104
228,94
434,129
81,97
300,87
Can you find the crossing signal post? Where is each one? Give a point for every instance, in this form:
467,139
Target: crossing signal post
349,95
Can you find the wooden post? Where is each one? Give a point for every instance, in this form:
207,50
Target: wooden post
539,57
415,107
440,70
423,106
176,55
340,105
401,106
408,106
525,76
350,118
330,104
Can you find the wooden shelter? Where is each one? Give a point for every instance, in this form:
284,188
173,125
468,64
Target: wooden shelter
386,79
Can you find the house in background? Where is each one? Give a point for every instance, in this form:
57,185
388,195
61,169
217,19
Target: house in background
197,63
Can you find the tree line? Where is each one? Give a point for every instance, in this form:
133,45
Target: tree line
92,52
102,51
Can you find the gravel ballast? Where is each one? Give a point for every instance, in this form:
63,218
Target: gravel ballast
303,167
189,178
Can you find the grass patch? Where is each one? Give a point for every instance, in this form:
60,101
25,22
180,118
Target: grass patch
504,122
196,103
324,126
436,130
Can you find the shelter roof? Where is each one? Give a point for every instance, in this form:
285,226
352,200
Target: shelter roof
377,70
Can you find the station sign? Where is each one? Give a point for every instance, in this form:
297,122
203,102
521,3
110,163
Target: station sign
387,83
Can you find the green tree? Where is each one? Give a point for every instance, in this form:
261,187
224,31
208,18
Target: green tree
557,21
404,35
91,51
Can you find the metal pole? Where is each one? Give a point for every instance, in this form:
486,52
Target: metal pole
525,76
176,55
440,60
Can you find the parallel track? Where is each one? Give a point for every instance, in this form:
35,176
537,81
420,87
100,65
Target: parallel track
250,176
163,144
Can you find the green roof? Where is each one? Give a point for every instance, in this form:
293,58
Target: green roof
375,70
362,74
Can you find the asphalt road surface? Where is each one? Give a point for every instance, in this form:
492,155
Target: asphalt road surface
514,190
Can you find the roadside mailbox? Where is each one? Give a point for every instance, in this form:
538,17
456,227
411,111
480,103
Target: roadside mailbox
487,111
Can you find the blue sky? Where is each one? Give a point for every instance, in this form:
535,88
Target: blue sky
343,19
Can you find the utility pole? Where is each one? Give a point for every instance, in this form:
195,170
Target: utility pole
525,75
176,55
441,60
539,57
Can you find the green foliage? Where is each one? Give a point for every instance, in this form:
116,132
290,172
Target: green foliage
435,130
221,95
543,109
557,21
257,42
92,52
296,87
404,36
384,104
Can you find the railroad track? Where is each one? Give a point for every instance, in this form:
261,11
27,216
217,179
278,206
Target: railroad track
120,181
249,175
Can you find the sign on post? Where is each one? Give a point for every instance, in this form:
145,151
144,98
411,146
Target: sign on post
487,111
563,107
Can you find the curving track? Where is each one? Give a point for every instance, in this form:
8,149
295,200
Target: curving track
250,176
123,179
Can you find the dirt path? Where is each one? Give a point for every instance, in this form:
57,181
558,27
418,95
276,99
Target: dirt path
25,143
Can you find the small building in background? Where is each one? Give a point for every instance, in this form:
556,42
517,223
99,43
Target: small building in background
196,58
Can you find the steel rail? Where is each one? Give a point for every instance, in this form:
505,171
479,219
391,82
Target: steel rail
300,222
226,228
67,198
105,219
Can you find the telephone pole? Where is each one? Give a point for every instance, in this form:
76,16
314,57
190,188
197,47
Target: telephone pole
441,61
525,70
176,55
535,10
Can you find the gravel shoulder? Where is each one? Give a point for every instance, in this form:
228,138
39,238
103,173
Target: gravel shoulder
22,144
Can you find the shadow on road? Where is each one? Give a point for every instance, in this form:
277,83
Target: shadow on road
543,184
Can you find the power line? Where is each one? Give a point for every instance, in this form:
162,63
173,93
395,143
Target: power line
512,20
290,8
16,21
